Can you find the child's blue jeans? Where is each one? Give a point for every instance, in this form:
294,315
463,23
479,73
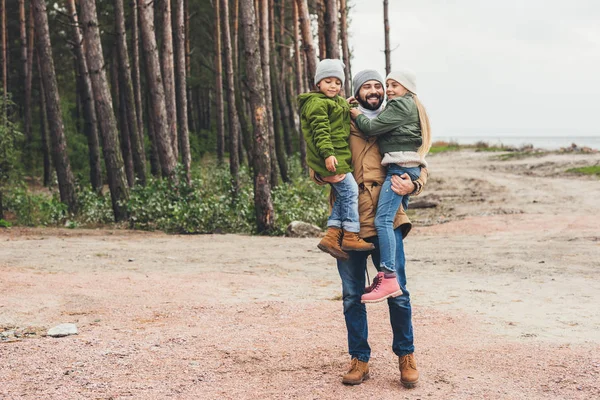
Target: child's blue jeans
387,207
344,213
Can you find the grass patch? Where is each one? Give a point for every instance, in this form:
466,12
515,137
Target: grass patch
591,170
440,147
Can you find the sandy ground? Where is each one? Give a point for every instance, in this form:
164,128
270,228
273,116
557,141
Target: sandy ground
503,277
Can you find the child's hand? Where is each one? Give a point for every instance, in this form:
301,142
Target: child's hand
355,112
330,163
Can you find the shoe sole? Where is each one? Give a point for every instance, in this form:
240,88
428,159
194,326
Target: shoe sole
395,294
335,254
409,385
347,382
349,249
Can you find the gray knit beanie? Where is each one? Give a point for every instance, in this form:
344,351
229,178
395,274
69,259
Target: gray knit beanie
330,68
364,76
405,77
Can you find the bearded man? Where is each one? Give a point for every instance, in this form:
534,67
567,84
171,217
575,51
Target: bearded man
370,175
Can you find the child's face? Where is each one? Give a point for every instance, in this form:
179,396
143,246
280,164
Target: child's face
330,87
393,89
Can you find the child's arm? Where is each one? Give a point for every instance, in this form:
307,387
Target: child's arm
393,116
320,129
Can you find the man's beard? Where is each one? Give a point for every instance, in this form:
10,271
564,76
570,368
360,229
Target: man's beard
365,103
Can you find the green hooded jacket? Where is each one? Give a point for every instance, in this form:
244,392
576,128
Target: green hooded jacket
326,127
398,127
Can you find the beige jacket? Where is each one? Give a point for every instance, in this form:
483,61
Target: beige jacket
369,175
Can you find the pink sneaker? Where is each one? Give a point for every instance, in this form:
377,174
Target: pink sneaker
376,279
386,287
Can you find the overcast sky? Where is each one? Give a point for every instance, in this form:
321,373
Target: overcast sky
509,67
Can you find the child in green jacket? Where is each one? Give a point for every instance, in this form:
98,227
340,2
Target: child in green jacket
325,119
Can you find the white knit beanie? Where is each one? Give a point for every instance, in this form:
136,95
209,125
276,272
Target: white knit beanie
405,77
330,68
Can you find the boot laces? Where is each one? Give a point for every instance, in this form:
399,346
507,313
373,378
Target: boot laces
408,361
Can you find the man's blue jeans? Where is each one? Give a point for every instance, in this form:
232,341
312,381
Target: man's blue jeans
352,273
344,213
388,205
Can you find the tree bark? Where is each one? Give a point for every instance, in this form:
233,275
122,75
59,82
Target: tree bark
113,160
321,10
136,77
155,168
281,79
181,87
266,70
345,48
168,71
156,90
331,29
66,181
25,64
297,56
46,151
386,28
193,121
234,123
261,161
121,118
219,85
90,124
128,103
307,42
5,63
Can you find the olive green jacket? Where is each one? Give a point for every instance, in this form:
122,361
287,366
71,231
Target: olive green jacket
326,126
397,126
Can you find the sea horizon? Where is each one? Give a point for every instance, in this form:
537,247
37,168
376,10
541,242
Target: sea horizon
540,142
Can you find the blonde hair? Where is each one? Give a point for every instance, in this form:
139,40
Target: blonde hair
425,128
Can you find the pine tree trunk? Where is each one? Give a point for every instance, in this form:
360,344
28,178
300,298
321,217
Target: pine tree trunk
297,56
181,82
193,120
156,91
307,42
345,48
321,10
155,169
136,77
46,151
281,79
5,63
29,77
25,65
386,28
128,102
121,118
331,29
234,123
266,70
168,71
66,181
113,160
90,123
219,85
262,189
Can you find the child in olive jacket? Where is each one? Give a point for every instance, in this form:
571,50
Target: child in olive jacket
325,119
404,138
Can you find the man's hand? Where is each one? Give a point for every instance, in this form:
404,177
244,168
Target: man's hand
330,163
334,179
355,112
402,185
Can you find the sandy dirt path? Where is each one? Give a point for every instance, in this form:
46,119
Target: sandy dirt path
505,295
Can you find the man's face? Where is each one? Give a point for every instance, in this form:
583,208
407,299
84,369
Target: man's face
370,95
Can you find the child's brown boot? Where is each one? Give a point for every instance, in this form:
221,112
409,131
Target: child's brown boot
353,242
331,243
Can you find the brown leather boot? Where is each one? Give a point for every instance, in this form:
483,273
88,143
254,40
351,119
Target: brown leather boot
409,376
331,244
358,372
353,242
